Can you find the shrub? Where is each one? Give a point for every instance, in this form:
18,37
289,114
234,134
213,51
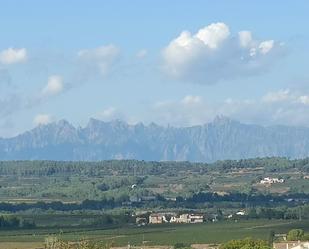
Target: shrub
245,244
181,246
295,234
53,242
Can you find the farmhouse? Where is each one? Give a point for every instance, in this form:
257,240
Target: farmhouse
270,180
188,218
196,218
183,218
156,219
241,213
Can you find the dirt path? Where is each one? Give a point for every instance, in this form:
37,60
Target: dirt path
271,225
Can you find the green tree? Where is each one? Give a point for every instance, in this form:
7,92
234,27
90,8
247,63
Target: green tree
295,234
247,243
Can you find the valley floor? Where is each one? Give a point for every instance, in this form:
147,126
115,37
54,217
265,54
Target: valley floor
207,233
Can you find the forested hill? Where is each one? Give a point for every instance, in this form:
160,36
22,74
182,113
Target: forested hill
222,139
144,168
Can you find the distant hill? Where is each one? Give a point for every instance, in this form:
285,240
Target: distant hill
221,139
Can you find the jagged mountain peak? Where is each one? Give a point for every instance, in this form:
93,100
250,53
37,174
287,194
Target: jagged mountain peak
223,138
119,124
222,120
116,123
61,124
93,123
64,123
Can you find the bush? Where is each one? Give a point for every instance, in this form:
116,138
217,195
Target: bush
53,242
181,246
295,234
245,244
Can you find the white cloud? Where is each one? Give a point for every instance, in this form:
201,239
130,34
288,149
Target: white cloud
304,99
245,38
190,110
274,108
266,46
214,54
99,59
110,113
214,34
190,99
142,53
13,56
279,96
54,86
42,119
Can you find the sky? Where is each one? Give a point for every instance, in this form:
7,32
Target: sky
178,63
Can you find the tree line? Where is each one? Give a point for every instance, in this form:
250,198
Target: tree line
135,167
13,222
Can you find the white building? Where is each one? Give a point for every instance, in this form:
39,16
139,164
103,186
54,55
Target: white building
270,180
241,213
187,218
196,218
159,218
155,219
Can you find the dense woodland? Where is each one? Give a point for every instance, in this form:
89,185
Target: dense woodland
13,222
134,167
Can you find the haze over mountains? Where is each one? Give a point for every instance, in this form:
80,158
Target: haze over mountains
221,139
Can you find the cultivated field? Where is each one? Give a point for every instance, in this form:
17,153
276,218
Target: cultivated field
154,235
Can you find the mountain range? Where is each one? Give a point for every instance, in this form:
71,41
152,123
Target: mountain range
221,139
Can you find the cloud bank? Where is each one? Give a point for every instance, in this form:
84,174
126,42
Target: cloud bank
273,108
54,86
13,56
100,59
42,119
213,54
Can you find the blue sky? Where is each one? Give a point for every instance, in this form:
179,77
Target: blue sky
176,62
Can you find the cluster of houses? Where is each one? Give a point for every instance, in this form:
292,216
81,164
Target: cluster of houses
143,218
270,180
160,218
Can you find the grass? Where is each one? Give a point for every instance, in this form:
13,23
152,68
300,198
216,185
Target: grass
20,245
162,234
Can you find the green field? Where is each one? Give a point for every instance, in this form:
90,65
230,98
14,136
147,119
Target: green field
162,234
